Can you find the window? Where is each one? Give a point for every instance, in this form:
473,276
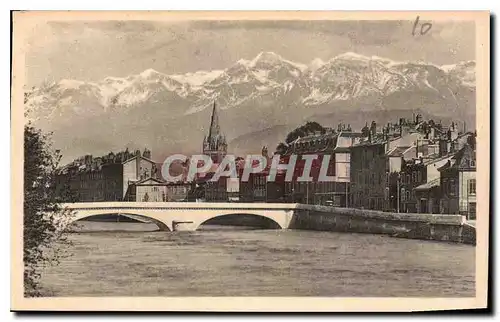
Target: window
473,163
403,194
445,185
472,210
471,183
452,187
407,195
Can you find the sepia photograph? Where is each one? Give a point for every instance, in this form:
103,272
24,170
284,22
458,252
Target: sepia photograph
237,161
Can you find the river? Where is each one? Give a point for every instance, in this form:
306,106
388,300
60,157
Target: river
130,259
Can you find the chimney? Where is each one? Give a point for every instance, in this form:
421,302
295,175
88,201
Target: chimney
373,128
418,118
265,152
137,164
365,131
471,140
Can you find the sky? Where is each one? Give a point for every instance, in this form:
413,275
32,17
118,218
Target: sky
91,51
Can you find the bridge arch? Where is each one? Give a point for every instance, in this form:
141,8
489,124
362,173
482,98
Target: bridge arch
185,216
82,214
242,219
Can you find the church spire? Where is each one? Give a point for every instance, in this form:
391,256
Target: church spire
214,124
215,143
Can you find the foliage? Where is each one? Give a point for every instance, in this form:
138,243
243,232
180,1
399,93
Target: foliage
304,130
44,220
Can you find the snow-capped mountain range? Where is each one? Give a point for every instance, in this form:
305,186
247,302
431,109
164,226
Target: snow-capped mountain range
268,86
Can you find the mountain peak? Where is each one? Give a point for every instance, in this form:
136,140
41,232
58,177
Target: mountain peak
150,73
197,78
272,58
316,63
358,57
351,56
268,57
70,83
462,64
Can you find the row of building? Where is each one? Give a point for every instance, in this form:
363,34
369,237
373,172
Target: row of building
415,166
407,166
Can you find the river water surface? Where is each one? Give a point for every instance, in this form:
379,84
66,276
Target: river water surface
129,260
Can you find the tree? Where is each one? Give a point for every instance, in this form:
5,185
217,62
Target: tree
44,220
304,130
307,129
281,148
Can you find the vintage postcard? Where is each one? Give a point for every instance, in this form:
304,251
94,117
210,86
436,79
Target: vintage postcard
250,161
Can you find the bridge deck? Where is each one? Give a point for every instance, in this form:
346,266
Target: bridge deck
179,205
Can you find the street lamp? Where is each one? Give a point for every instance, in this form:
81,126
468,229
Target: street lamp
347,195
398,193
307,192
467,201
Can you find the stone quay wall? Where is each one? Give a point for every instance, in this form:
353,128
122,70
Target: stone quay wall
451,228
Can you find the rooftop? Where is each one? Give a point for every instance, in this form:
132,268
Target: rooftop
428,185
398,151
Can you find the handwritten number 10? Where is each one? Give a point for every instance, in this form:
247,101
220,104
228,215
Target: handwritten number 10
423,29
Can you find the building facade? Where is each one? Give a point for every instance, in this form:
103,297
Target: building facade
397,169
257,188
333,144
104,178
137,169
378,162
157,190
420,184
458,183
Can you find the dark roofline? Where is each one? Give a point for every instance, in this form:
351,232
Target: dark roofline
149,178
162,184
128,160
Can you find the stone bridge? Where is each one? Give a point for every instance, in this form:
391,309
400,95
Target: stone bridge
176,216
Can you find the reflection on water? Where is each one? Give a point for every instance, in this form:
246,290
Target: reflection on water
133,259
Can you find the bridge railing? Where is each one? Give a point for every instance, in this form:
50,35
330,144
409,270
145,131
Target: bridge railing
177,205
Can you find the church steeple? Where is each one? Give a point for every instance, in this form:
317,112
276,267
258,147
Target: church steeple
214,123
215,144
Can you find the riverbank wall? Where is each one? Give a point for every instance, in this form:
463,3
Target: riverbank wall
451,228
